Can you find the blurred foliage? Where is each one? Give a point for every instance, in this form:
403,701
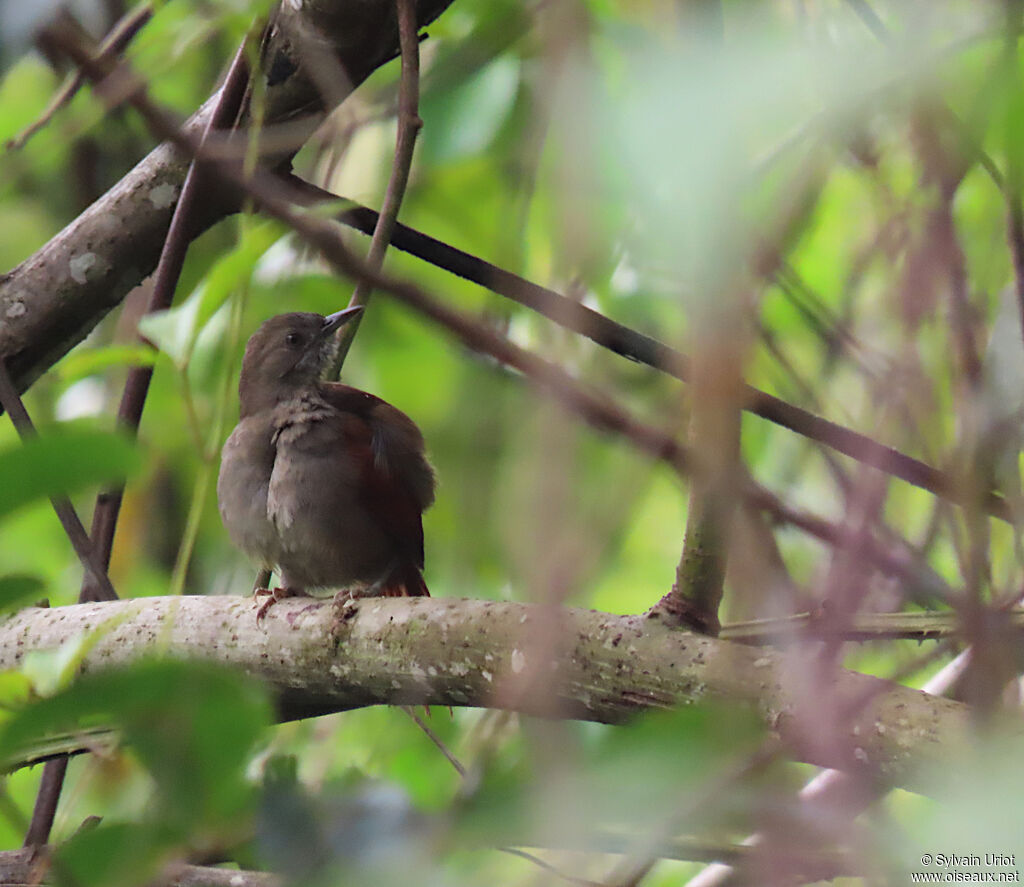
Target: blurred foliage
62,461
637,156
191,727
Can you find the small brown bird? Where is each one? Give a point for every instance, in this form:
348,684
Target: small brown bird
320,481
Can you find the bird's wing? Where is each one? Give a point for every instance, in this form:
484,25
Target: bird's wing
397,483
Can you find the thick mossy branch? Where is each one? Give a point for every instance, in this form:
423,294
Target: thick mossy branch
489,654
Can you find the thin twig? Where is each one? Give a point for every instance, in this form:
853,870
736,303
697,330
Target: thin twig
433,737
12,403
916,626
32,867
113,45
409,125
771,345
51,783
548,867
698,848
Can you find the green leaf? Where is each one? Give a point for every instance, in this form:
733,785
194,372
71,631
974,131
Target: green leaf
63,461
173,331
194,729
88,361
462,122
235,268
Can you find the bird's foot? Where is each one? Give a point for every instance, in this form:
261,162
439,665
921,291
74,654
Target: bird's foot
273,595
345,606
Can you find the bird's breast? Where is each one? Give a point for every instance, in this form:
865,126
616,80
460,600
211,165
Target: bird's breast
242,486
315,500
313,478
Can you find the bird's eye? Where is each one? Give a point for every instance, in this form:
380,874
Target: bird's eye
293,339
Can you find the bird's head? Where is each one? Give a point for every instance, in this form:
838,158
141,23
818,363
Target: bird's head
287,352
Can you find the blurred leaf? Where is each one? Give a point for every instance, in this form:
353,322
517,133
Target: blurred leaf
83,739
978,809
173,331
176,331
63,461
88,361
15,689
463,121
191,724
114,855
640,774
235,268
17,591
53,670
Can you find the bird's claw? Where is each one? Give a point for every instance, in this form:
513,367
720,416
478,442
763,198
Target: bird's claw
345,605
272,595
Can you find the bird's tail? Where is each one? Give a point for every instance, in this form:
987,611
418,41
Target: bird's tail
405,581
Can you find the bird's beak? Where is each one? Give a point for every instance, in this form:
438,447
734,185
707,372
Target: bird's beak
339,319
